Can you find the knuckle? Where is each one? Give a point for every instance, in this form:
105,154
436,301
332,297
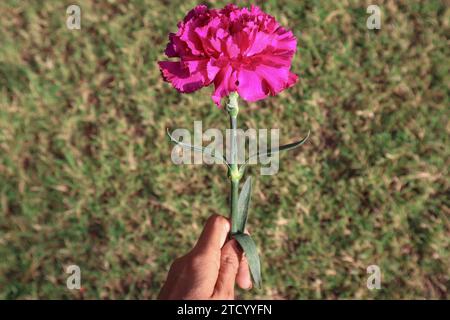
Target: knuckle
230,261
196,260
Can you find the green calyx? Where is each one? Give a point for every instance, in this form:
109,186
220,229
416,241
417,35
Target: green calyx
234,175
232,105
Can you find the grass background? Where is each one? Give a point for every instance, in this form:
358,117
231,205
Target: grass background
86,176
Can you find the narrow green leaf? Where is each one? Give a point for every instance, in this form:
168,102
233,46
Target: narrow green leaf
249,247
196,148
243,204
284,147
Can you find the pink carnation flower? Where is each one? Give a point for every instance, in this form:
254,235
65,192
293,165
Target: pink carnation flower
243,50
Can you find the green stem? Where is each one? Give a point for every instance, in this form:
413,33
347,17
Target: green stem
233,174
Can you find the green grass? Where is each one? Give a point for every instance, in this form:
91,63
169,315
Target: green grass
86,176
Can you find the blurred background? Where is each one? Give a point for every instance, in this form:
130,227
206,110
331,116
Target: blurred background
86,176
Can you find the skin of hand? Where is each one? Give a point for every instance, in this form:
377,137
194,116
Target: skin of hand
211,269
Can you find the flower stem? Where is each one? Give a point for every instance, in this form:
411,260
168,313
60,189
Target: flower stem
233,173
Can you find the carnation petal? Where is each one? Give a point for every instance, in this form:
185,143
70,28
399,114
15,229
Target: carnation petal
291,80
179,76
251,86
260,42
264,80
224,83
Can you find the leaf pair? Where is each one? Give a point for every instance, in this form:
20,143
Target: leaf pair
244,240
285,147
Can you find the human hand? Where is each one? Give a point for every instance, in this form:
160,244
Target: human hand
211,269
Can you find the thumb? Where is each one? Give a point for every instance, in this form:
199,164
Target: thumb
214,234
229,266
